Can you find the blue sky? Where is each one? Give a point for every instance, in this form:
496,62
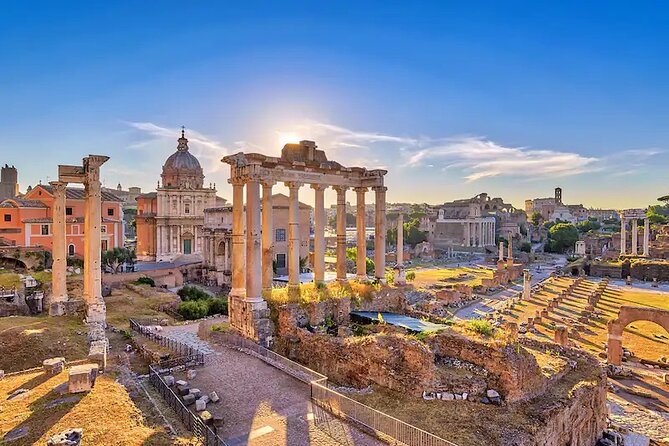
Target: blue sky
453,98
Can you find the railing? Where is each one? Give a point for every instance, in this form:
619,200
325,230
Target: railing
379,424
180,348
193,423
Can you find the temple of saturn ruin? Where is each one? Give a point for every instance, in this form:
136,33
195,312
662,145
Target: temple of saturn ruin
299,165
634,215
87,174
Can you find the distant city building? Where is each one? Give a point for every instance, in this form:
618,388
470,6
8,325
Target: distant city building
9,182
27,221
553,209
127,197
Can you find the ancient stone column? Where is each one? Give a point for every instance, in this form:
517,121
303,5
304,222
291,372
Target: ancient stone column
238,244
501,252
400,240
646,237
341,232
380,232
468,237
96,310
561,336
510,249
267,236
635,237
361,265
623,236
253,245
527,284
58,251
293,234
319,232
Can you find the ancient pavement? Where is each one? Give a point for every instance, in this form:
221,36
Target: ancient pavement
261,405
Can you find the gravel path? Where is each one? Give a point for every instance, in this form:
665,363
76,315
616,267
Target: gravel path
261,405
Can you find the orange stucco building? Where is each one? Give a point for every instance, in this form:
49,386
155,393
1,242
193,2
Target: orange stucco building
26,221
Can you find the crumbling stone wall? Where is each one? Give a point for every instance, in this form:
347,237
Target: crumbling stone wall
388,360
604,270
516,370
649,270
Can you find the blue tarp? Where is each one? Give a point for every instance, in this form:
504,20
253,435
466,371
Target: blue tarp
400,320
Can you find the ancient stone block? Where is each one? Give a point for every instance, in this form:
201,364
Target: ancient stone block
189,399
70,437
169,380
213,396
82,378
206,417
98,353
190,374
561,335
183,390
200,404
195,392
53,366
181,382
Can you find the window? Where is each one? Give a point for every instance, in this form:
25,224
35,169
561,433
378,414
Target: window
280,235
75,229
70,250
281,261
110,212
186,208
103,229
45,229
8,217
68,211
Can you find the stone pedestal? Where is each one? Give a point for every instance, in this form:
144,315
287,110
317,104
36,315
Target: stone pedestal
251,319
561,335
53,366
82,378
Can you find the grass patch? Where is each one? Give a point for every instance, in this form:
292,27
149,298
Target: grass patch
484,328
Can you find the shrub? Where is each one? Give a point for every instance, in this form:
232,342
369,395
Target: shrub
194,309
192,293
218,305
410,276
481,327
221,328
145,281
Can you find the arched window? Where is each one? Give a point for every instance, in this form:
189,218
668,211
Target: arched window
70,250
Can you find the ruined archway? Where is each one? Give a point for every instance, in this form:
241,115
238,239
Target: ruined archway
626,316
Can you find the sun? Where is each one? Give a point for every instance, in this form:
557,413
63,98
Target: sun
284,138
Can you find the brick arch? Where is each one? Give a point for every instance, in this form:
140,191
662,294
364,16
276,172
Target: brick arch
626,316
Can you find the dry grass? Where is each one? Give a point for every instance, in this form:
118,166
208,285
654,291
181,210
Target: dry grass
124,304
426,277
107,415
25,341
310,293
9,280
641,337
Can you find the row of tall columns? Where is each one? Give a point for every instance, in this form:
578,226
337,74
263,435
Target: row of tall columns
635,236
479,234
252,263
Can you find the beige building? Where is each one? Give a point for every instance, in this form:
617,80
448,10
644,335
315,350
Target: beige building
217,234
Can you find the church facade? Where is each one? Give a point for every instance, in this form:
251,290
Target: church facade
170,221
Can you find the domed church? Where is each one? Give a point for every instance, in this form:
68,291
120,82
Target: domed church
170,220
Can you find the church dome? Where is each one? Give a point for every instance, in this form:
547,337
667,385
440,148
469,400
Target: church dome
182,169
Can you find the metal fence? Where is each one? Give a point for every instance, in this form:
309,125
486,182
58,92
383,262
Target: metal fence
379,424
179,348
193,423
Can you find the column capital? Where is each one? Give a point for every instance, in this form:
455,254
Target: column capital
318,187
379,188
340,189
237,181
267,183
58,186
293,184
360,189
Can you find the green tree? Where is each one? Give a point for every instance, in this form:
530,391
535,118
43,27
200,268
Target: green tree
526,247
352,254
115,258
536,218
588,225
562,236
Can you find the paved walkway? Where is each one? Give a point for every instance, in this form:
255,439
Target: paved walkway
261,405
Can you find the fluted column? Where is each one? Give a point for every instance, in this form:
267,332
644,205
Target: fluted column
293,234
646,237
267,237
635,237
96,310
467,238
380,232
361,243
58,251
623,236
253,246
341,232
238,245
319,232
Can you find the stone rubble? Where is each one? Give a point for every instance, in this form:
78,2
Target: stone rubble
70,437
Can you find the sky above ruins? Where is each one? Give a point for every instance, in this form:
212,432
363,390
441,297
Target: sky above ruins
453,98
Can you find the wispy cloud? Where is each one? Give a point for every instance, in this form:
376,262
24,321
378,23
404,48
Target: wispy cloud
155,137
